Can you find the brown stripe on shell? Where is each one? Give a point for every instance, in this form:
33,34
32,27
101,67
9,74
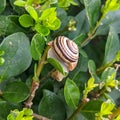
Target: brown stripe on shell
68,53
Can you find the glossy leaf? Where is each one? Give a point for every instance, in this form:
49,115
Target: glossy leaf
92,70
37,46
26,20
5,108
112,46
32,12
2,5
49,18
110,5
17,55
106,108
7,26
93,11
107,73
42,29
71,93
89,87
108,77
112,19
20,3
14,92
51,106
56,64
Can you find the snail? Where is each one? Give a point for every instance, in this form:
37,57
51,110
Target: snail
65,51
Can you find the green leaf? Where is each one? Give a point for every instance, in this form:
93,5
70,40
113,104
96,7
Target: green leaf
93,8
13,92
42,29
49,18
71,93
37,46
49,14
4,109
56,64
110,5
20,3
7,26
108,73
30,2
33,13
52,106
92,70
2,60
92,106
108,77
26,20
2,5
17,55
106,108
112,19
55,25
112,47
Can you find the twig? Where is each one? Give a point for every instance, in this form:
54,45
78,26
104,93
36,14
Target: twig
35,82
39,117
84,102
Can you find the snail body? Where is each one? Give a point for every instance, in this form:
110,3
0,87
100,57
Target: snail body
66,51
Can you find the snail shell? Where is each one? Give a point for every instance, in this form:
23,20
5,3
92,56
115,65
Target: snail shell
66,50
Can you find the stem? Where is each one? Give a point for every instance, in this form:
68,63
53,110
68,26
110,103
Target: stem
91,35
42,61
35,81
78,110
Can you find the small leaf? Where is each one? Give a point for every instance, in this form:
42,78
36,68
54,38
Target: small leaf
42,29
2,52
90,86
112,47
30,2
56,64
20,3
2,5
2,60
37,46
7,26
51,106
110,5
71,93
108,77
14,92
93,11
56,24
17,55
108,73
32,12
106,108
26,20
92,70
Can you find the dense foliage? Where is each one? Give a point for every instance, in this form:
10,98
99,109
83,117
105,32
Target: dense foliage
27,88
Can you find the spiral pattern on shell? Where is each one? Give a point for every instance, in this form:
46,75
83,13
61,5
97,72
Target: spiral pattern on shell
66,49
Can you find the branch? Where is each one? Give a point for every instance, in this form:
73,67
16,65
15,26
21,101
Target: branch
35,80
84,102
